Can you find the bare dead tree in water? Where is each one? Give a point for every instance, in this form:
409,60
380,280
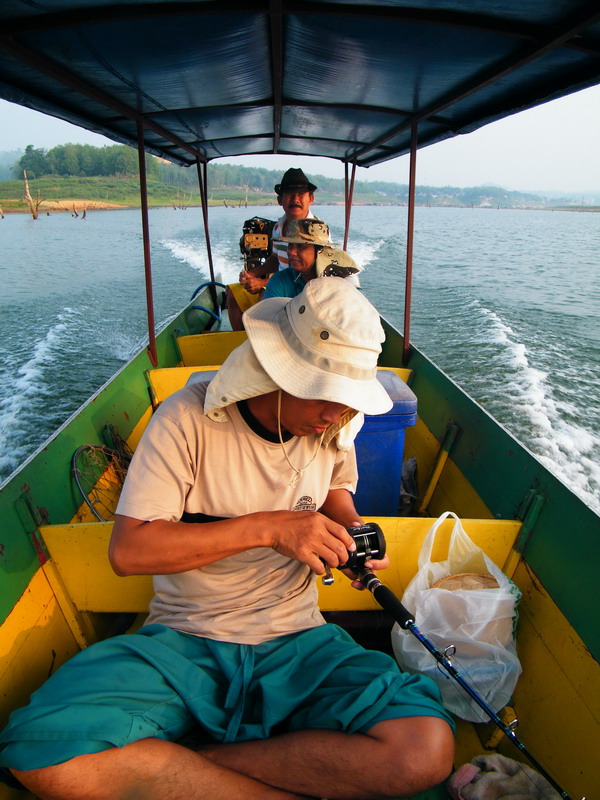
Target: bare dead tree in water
33,204
180,202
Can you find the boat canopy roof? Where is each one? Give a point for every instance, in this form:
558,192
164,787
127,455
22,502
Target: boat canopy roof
347,80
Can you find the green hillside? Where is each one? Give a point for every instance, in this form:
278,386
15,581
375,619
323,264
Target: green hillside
124,191
111,190
69,176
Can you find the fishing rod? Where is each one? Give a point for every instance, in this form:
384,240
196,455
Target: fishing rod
370,543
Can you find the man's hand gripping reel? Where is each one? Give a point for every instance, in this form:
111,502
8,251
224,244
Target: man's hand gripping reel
370,544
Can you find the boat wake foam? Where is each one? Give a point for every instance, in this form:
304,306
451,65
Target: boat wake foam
193,253
539,418
365,252
30,388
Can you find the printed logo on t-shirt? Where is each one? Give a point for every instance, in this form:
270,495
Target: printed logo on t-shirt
306,503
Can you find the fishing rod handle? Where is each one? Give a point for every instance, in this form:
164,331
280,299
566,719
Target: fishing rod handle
386,598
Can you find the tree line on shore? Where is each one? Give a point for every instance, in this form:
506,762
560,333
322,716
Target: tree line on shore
234,183
80,160
84,160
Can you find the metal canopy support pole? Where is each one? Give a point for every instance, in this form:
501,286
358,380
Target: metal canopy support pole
349,195
345,200
203,185
276,16
146,239
409,242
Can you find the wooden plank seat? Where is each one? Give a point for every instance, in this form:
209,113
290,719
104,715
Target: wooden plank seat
79,557
208,348
163,382
166,380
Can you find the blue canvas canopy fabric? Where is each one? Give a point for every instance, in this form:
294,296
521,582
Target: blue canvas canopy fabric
346,80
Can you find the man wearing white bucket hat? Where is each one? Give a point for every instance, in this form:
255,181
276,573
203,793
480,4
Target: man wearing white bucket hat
238,494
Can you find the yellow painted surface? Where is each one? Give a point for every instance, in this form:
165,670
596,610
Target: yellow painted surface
208,348
433,480
453,492
34,641
557,698
140,427
420,442
104,497
78,621
163,382
84,514
401,372
80,554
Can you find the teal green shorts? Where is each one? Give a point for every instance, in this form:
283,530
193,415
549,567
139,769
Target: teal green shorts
162,683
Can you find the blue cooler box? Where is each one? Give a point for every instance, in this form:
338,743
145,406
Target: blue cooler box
380,450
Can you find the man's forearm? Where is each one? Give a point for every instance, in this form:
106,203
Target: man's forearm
160,547
339,506
138,547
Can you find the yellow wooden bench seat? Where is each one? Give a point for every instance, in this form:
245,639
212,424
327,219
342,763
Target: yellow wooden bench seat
204,349
163,382
208,348
79,557
166,380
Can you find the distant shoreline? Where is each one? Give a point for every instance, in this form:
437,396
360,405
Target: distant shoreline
66,206
48,207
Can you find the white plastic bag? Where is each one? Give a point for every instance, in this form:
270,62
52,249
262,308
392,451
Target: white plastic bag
480,623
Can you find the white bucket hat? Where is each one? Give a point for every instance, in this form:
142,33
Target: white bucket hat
321,345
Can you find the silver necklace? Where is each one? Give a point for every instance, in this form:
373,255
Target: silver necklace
297,471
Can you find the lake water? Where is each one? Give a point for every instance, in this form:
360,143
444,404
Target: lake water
506,302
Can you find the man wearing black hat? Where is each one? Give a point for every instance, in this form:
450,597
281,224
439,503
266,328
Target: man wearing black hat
295,194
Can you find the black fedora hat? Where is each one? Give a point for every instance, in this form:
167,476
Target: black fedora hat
294,179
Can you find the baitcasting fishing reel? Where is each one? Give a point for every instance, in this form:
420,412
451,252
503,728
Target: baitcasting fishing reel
255,244
370,543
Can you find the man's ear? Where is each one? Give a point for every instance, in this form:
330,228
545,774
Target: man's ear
279,199
312,198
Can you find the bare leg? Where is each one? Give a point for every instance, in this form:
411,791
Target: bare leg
150,769
235,313
395,758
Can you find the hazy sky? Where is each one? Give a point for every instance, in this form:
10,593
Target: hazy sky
550,148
